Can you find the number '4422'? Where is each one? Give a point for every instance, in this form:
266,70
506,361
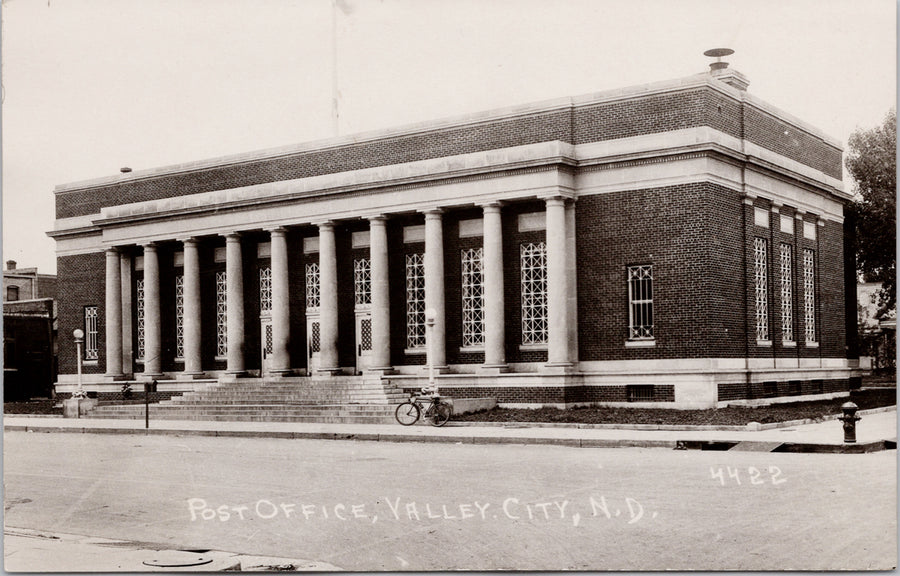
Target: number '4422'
752,475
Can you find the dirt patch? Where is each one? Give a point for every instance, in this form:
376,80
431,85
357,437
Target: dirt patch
730,416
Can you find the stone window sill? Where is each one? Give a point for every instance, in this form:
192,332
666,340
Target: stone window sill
812,344
471,349
640,343
532,348
416,351
766,343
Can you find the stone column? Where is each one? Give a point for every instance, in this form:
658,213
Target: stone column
113,314
572,271
434,285
381,318
328,309
234,277
152,326
192,326
494,320
557,283
125,259
281,312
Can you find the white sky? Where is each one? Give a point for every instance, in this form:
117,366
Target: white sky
90,86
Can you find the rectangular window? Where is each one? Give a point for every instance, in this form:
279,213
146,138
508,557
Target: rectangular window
313,287
179,316
12,293
473,297
91,351
640,302
221,315
415,301
534,293
761,276
809,295
761,217
362,282
265,291
787,293
140,321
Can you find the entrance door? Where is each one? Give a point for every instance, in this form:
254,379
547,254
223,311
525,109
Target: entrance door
265,345
313,360
363,341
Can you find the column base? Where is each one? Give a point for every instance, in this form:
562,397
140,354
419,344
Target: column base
492,369
148,376
232,376
190,376
437,369
328,371
277,373
115,377
558,368
380,370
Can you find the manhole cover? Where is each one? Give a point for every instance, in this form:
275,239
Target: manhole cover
177,559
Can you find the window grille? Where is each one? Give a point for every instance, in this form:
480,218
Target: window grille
140,320
91,350
265,291
640,298
640,392
365,334
179,316
473,297
415,301
787,293
313,286
534,293
221,314
362,281
761,274
314,334
809,295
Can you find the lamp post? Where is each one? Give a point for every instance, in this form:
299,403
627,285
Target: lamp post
79,394
429,342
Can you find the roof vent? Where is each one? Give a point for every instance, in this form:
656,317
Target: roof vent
125,170
10,264
719,69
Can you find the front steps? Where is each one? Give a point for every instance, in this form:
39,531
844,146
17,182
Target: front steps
337,399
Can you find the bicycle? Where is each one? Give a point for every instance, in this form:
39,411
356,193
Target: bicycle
437,410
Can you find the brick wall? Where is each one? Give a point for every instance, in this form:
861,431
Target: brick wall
581,124
691,235
773,388
82,283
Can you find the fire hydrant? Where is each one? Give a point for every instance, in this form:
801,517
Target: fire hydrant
849,419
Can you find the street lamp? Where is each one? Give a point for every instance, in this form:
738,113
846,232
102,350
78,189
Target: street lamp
430,315
79,338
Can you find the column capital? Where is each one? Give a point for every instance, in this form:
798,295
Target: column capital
324,224
799,214
113,250
149,246
276,231
189,240
432,213
820,221
557,195
493,206
377,218
231,236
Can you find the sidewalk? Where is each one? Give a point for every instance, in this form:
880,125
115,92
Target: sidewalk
876,431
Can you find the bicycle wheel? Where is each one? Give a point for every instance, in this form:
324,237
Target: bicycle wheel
440,414
407,413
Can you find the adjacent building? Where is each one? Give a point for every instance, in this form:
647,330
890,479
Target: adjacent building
676,244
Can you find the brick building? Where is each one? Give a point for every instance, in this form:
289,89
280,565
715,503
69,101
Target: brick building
676,244
29,333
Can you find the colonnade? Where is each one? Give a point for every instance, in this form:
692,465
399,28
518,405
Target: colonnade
560,352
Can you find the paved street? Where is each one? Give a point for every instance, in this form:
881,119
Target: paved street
385,506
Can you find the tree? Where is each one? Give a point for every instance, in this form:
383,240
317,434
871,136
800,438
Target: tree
872,161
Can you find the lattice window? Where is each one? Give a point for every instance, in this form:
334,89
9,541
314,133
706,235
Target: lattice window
265,291
268,346
640,299
473,297
141,341
365,333
787,293
221,314
761,276
362,281
313,286
809,295
415,301
314,337
179,316
534,293
91,349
